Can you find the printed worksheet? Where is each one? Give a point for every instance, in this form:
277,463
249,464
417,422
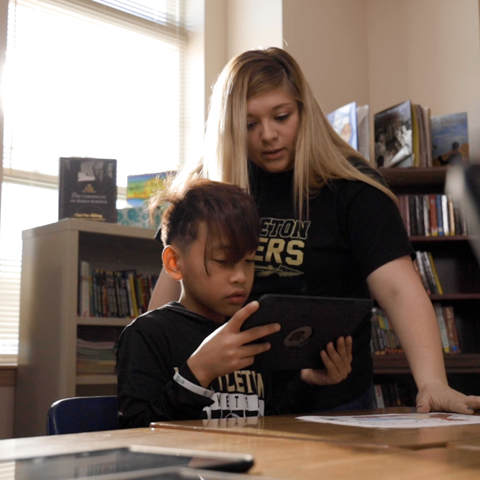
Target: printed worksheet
397,420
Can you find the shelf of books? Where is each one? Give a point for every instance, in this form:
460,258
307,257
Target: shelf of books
83,282
413,152
104,321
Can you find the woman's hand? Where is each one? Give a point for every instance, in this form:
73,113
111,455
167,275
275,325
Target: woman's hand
337,364
439,397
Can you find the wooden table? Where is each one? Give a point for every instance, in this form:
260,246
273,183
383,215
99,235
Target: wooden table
275,456
290,427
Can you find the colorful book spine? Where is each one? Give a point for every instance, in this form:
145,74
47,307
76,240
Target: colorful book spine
442,326
426,216
413,215
433,215
380,403
423,274
449,316
435,274
446,224
439,214
451,216
429,273
84,290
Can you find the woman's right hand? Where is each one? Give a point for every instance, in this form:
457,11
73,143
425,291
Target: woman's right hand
228,348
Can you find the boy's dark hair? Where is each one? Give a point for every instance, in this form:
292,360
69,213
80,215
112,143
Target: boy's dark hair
227,210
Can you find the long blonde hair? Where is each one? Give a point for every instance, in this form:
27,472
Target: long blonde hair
320,156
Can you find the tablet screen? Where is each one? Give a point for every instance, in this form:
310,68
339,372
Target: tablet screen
119,460
308,324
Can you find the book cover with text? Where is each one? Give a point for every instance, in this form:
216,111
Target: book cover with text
88,189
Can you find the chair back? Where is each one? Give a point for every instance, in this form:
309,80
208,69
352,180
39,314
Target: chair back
83,414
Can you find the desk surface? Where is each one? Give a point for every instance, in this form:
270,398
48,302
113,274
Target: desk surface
290,427
280,458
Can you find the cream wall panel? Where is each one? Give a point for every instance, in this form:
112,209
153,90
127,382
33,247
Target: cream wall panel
427,51
216,45
253,24
328,38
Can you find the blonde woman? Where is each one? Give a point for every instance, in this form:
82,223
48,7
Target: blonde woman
330,227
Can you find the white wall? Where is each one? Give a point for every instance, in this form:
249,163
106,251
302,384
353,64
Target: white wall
253,24
329,40
216,46
219,30
427,51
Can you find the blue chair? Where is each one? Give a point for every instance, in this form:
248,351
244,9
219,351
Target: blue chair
83,414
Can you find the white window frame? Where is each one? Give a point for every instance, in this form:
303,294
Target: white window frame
107,13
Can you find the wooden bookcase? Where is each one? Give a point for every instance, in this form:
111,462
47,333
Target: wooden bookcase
459,274
49,321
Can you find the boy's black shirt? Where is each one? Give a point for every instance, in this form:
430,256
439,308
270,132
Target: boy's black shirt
156,343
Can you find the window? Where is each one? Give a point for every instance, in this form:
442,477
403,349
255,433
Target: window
82,79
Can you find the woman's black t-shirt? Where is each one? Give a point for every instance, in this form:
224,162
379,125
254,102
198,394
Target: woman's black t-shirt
351,230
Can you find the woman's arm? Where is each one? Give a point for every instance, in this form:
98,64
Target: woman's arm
166,290
400,293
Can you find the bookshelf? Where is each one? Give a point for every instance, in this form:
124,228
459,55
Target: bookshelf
49,320
459,273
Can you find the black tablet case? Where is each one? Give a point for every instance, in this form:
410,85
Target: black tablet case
308,324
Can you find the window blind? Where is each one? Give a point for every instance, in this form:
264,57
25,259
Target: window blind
82,78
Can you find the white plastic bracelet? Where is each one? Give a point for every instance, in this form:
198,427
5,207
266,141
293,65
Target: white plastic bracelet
192,387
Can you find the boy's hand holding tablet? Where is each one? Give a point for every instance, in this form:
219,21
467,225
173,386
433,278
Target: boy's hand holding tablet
228,348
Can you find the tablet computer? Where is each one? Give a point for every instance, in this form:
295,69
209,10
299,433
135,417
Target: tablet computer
179,473
308,324
118,461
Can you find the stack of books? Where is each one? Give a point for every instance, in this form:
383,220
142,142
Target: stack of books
95,358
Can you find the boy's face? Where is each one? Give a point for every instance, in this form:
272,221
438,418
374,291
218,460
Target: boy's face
224,289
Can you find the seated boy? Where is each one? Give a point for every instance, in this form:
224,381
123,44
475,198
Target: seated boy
183,360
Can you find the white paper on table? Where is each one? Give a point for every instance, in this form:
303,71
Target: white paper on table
397,420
